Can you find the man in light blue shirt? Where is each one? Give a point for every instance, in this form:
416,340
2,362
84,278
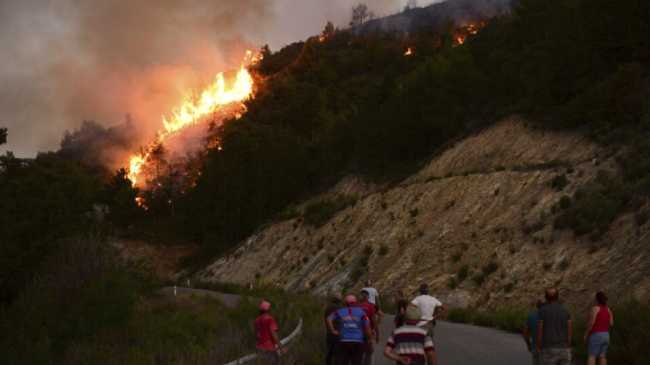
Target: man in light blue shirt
531,328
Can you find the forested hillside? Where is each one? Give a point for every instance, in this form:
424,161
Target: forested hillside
323,108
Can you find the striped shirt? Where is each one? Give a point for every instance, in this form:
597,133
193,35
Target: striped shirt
412,342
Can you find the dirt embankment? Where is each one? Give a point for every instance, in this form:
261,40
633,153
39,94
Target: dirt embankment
486,200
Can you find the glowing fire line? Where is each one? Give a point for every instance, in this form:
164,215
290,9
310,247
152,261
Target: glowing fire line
212,98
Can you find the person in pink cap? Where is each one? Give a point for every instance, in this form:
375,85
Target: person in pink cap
352,321
267,334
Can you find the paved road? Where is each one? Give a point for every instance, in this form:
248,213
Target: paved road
455,343
462,344
228,299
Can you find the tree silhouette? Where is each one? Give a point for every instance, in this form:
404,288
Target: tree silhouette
3,136
360,14
329,29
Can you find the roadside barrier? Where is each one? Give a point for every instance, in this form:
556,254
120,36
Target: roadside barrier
284,341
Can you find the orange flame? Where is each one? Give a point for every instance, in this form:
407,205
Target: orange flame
409,52
191,112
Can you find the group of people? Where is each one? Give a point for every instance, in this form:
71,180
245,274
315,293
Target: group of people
551,331
350,329
353,330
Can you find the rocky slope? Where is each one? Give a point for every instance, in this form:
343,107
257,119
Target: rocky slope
486,200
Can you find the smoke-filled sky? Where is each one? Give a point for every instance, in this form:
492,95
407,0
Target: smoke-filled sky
65,61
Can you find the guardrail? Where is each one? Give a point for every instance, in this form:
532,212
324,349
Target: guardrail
284,341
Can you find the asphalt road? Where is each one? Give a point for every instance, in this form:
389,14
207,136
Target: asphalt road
455,343
462,344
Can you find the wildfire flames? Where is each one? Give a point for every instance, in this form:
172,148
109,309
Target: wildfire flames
409,52
464,32
213,99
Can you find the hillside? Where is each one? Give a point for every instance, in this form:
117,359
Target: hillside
487,199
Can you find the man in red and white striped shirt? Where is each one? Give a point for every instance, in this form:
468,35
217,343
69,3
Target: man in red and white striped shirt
410,344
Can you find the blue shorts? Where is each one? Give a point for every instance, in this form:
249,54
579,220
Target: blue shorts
598,343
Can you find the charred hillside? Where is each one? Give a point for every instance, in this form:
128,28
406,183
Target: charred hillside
432,18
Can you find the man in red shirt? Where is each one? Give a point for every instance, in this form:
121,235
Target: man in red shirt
267,334
370,311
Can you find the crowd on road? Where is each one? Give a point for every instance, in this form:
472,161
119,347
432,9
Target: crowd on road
353,330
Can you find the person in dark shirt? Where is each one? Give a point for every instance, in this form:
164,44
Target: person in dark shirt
553,331
401,308
332,339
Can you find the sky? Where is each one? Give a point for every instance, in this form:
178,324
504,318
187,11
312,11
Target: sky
65,61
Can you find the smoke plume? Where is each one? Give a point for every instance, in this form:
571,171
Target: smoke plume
66,61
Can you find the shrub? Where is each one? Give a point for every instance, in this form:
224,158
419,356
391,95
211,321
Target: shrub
479,279
559,182
499,168
384,205
414,213
641,218
490,268
463,271
383,250
363,261
508,287
318,213
305,259
461,315
456,257
289,212
367,250
565,202
464,245
330,258
451,283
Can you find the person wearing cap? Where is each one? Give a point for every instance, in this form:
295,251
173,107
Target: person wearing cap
373,294
410,344
427,306
352,321
267,334
332,339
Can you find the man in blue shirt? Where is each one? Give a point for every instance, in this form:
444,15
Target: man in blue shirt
351,320
531,328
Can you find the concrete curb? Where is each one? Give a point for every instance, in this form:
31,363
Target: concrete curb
284,341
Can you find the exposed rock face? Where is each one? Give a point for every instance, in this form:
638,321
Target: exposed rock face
495,207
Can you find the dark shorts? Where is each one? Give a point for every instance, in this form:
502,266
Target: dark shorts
267,356
350,353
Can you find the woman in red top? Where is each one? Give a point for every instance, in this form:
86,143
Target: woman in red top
598,323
